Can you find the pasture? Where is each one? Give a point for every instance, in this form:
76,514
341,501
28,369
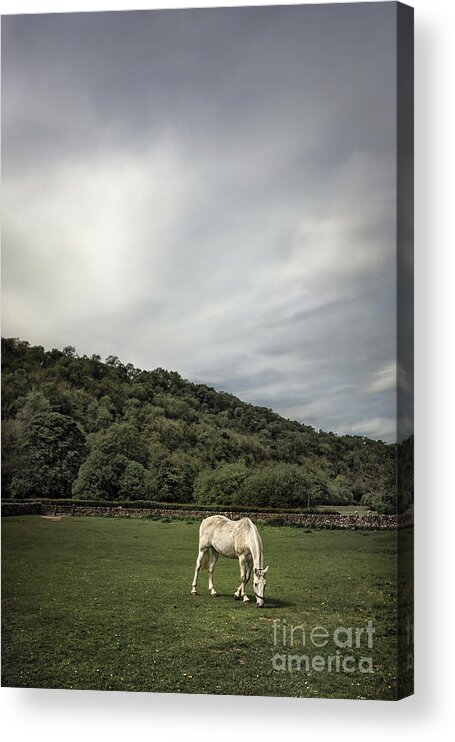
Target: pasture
105,604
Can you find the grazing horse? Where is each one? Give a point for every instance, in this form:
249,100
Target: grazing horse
236,539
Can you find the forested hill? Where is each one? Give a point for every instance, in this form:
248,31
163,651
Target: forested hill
78,426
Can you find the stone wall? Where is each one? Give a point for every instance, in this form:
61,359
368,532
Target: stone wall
302,520
21,508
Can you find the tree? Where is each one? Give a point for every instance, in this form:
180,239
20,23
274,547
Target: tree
381,476
12,461
69,351
133,483
52,450
35,404
339,491
115,468
221,485
281,486
175,476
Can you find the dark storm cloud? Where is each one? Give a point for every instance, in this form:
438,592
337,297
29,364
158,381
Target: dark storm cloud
211,191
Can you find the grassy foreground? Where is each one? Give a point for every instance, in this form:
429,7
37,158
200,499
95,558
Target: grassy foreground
105,604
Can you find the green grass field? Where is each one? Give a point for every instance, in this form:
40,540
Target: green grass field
105,604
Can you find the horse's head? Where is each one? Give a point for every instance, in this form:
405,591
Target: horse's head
259,585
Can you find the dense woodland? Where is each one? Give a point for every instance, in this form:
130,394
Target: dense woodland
80,427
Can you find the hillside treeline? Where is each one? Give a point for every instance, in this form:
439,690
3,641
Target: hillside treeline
81,427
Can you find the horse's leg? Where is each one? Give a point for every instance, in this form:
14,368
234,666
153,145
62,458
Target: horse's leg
240,592
199,559
248,568
213,556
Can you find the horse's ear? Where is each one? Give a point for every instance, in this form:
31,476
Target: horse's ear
265,570
256,571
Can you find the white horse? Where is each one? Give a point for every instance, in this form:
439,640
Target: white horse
236,539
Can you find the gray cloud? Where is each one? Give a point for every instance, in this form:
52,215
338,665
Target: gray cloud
213,192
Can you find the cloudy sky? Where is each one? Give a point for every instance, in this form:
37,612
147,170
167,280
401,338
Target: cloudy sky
210,191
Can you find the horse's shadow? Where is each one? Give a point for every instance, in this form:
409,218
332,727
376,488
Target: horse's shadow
270,603
276,603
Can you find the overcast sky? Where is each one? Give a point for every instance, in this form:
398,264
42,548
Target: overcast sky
210,191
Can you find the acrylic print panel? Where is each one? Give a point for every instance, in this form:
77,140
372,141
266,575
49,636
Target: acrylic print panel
207,351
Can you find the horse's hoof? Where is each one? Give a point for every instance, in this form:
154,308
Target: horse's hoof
246,599
194,592
213,593
236,596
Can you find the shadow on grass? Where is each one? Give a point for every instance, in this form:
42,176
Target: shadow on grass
277,603
270,603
